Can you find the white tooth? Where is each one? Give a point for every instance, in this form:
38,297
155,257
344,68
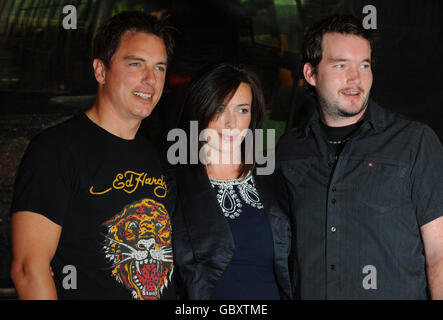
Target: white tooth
143,95
137,266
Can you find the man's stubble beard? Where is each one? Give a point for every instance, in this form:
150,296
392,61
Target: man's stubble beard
336,111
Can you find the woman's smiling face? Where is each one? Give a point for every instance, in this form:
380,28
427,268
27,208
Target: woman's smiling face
230,123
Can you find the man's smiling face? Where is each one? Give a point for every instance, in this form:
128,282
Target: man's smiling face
133,83
343,79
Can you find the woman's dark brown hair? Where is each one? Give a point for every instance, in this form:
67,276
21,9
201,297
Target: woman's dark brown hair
214,86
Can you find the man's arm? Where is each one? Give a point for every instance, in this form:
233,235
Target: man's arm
34,242
432,234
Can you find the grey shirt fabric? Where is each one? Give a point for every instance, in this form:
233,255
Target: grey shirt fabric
357,216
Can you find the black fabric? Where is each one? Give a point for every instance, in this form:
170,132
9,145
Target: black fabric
338,136
250,275
203,242
108,196
339,133
364,208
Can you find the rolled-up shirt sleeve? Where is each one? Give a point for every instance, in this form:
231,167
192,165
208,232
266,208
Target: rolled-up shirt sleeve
427,178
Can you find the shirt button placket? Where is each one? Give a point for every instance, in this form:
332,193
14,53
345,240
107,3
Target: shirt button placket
332,255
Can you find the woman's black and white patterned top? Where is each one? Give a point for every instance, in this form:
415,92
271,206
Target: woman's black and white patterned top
232,195
250,275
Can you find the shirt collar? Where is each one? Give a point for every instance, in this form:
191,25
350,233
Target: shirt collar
375,118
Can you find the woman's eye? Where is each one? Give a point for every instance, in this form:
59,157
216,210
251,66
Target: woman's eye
244,110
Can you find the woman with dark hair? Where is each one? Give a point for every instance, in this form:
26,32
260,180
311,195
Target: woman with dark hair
231,235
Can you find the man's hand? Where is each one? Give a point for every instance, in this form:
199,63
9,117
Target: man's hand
34,242
432,234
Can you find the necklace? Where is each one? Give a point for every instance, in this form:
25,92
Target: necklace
339,141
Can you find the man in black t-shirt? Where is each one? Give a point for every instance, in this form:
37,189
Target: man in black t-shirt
89,199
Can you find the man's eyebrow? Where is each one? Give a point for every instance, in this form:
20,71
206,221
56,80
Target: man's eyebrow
337,60
133,58
332,60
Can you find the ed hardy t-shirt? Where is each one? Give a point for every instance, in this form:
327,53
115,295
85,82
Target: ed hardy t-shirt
108,195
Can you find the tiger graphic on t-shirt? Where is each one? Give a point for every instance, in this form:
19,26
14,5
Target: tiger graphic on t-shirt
138,244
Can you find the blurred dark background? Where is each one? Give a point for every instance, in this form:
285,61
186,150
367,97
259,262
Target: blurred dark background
46,74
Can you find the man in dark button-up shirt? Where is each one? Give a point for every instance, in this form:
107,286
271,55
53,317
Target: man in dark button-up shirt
366,185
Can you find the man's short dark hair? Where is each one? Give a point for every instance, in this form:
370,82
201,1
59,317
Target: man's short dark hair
108,36
344,24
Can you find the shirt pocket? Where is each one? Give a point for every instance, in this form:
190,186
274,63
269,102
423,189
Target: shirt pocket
379,184
295,170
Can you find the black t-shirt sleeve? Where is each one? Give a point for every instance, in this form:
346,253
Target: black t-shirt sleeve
427,173
44,179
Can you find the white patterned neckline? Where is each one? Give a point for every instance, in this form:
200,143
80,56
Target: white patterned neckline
232,181
230,192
